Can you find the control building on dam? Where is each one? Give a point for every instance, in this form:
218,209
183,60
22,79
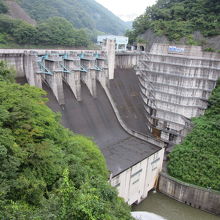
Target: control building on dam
79,87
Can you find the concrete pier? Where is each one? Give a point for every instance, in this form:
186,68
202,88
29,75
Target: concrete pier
72,70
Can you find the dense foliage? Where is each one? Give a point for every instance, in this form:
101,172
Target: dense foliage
53,31
46,171
197,159
82,14
179,18
3,7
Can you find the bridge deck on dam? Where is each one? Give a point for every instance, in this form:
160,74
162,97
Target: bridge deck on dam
125,91
94,117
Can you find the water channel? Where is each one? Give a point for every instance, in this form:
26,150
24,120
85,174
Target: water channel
170,209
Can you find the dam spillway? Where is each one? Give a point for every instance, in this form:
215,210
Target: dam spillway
95,118
79,87
126,93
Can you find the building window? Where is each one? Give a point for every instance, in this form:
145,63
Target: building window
116,181
117,185
156,155
172,137
154,166
136,173
136,181
155,160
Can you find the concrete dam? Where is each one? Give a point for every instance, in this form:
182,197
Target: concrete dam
115,101
79,86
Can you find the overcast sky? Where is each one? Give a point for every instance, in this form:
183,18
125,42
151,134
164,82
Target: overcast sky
127,10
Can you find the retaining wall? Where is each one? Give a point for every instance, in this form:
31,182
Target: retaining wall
127,60
195,196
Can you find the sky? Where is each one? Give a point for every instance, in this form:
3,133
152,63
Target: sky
127,10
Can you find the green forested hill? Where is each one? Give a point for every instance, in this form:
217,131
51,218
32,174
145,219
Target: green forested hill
54,32
81,13
179,18
16,30
60,23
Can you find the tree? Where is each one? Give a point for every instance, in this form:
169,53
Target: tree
58,31
177,19
55,31
3,7
24,33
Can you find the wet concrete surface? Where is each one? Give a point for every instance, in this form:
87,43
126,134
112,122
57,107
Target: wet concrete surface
95,118
126,94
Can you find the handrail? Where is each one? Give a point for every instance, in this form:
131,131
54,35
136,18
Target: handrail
45,70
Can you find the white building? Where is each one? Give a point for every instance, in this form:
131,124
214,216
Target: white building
121,42
134,183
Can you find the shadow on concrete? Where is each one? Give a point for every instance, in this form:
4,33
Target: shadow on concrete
126,94
95,118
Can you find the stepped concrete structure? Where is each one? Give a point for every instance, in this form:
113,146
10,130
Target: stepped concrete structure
176,82
80,87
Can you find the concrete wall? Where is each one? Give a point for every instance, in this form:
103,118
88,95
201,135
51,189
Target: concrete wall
127,60
197,197
176,82
15,59
134,184
109,47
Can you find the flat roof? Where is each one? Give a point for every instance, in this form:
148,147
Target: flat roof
127,153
